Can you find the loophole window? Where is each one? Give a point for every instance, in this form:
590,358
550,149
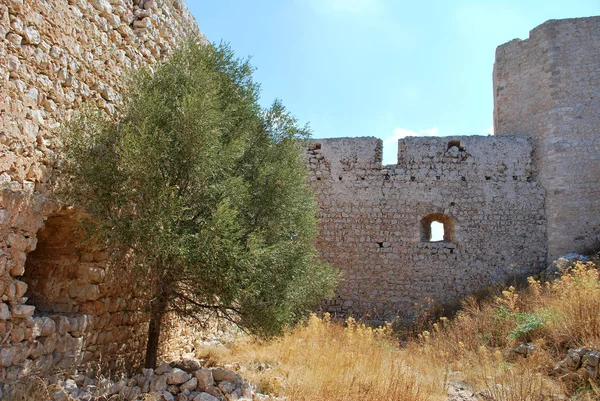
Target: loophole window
437,227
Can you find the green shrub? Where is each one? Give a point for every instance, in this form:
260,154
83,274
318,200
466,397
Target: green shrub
209,191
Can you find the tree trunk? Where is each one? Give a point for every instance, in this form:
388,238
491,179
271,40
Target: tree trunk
158,308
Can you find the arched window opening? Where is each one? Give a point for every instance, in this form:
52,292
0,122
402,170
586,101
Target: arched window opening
437,227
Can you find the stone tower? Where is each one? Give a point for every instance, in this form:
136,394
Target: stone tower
548,87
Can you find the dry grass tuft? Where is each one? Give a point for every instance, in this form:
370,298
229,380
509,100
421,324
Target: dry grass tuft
323,360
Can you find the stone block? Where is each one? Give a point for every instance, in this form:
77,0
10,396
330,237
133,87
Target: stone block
226,375
7,355
205,378
4,312
84,291
62,324
22,311
162,368
205,397
20,288
32,35
177,376
158,383
90,273
190,385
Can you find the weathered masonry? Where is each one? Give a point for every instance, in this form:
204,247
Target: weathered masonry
64,303
376,221
548,87
509,204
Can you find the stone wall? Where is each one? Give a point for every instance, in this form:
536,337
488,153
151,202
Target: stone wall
521,198
64,305
548,87
374,219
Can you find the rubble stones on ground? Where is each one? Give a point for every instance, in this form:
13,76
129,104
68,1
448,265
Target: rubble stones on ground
158,383
189,362
459,391
162,368
178,376
165,383
190,385
580,366
226,375
205,378
205,397
522,350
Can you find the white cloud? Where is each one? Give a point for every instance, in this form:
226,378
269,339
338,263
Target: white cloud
431,132
347,7
403,132
399,133
490,130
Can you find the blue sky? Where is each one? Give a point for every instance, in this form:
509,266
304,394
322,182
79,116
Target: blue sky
379,67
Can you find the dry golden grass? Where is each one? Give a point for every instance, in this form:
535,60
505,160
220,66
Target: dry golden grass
575,303
324,360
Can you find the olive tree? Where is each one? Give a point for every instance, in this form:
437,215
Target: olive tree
208,190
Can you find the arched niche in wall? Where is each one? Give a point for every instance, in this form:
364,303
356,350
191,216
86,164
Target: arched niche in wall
60,275
433,223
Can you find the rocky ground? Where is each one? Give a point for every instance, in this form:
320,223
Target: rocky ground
186,380
458,391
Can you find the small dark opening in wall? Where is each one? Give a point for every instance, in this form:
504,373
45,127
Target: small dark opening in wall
437,177
380,244
452,204
318,178
362,178
340,178
455,143
487,178
437,227
412,178
463,178
515,178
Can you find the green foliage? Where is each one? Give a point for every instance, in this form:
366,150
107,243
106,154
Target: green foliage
209,190
526,324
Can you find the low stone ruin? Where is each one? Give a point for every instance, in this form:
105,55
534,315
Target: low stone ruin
181,381
580,367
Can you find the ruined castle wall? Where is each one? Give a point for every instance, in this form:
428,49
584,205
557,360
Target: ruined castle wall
548,87
56,56
372,219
